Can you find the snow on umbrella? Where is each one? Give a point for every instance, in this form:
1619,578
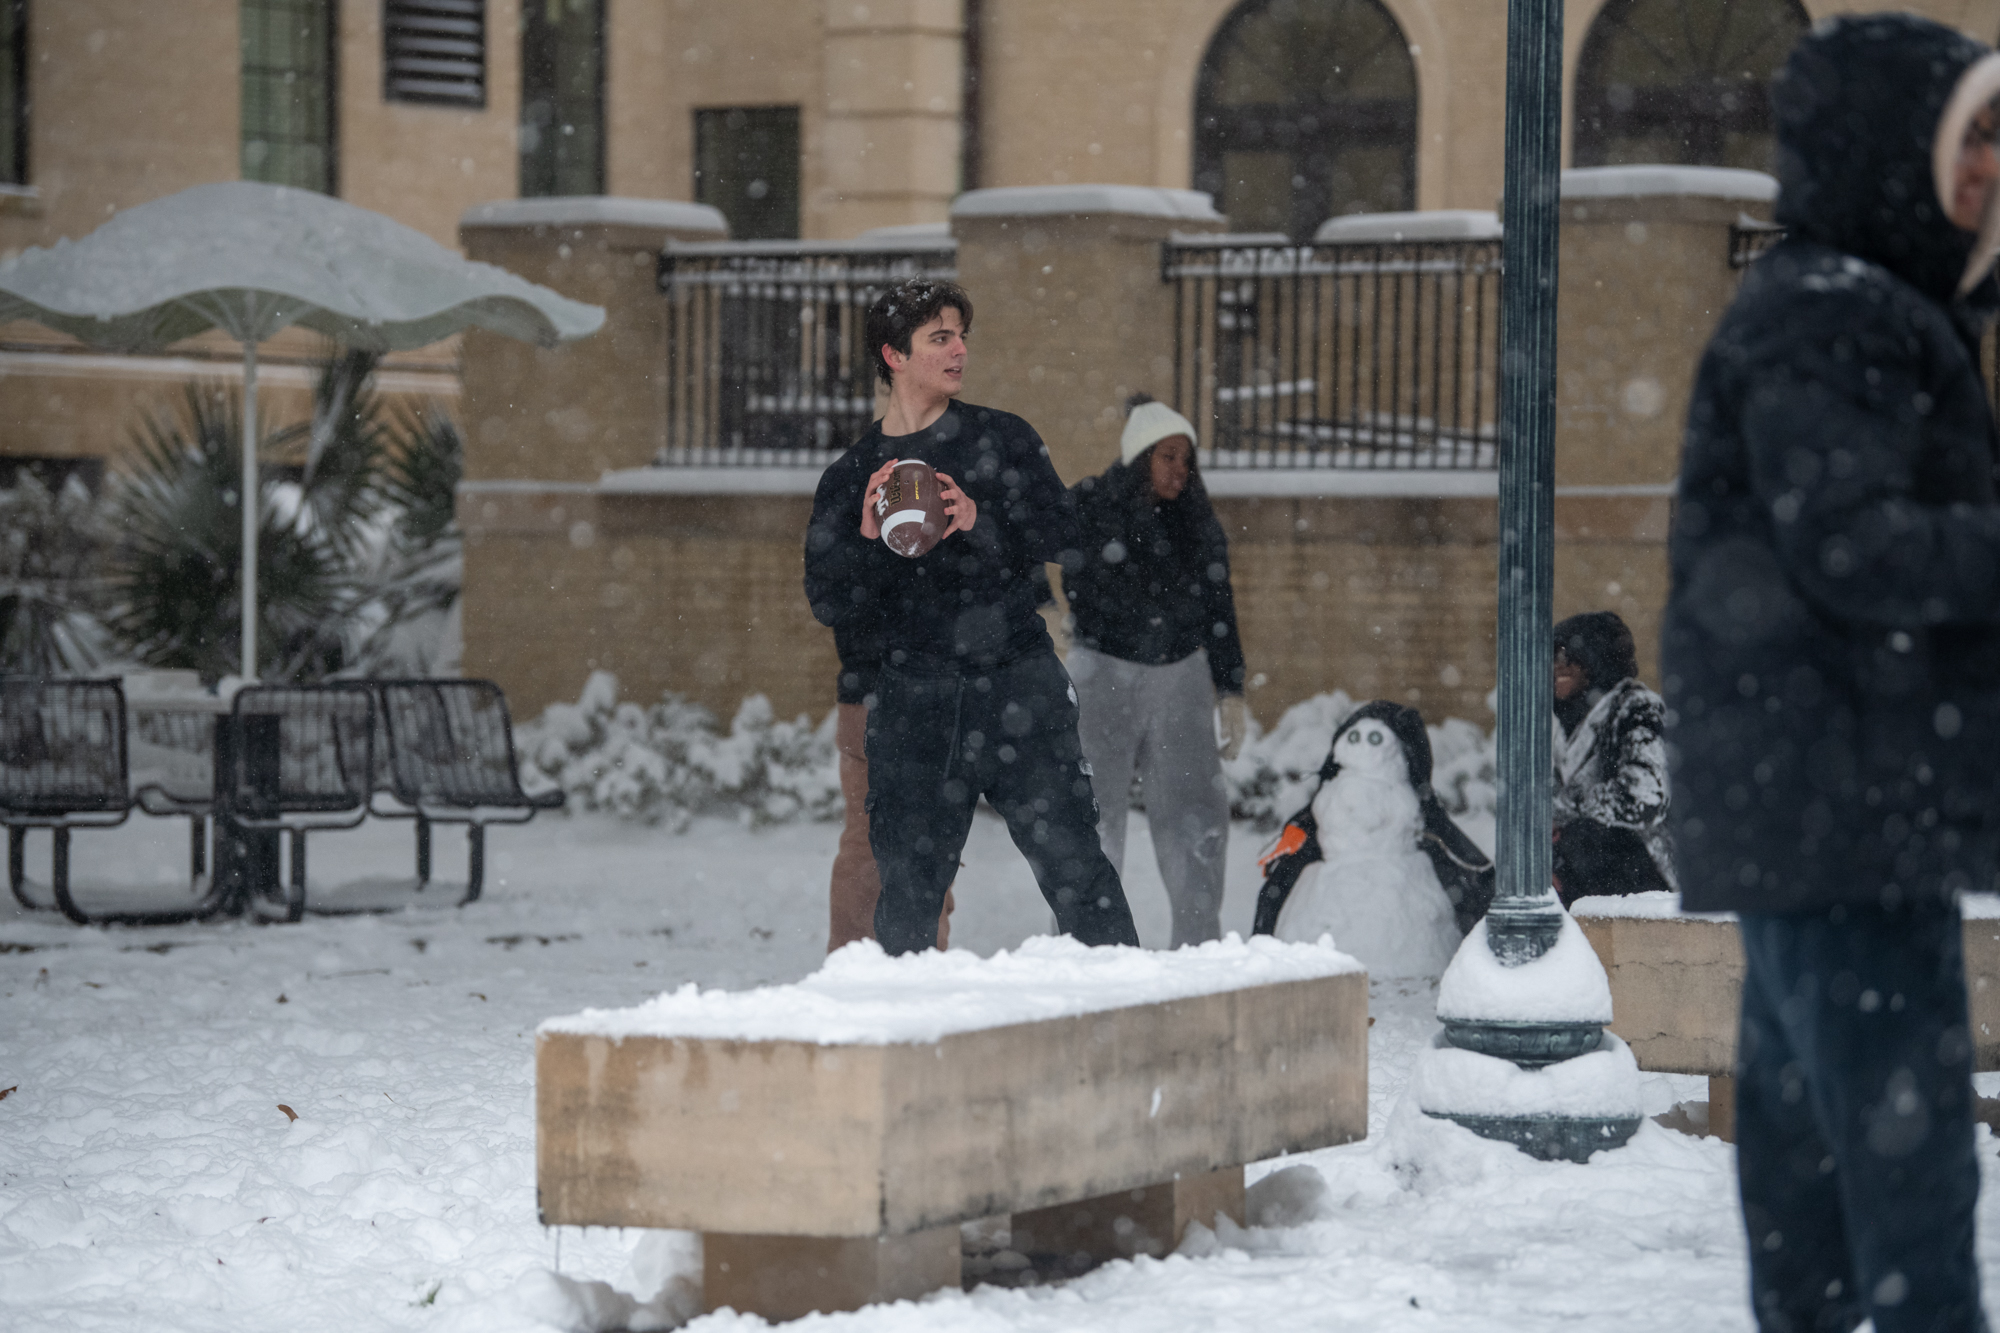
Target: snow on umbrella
253,259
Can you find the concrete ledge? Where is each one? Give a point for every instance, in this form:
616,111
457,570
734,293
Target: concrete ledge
711,481
1332,481
1677,984
791,1138
592,210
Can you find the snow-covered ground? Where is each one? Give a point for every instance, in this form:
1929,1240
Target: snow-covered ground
151,1176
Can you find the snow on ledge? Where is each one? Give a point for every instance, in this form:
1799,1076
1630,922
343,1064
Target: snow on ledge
710,481
1437,224
585,210
1054,200
862,997
1658,905
1648,181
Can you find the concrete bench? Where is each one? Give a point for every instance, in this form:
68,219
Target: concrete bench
828,1138
1677,984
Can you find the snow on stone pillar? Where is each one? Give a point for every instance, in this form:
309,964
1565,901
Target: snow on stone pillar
1070,313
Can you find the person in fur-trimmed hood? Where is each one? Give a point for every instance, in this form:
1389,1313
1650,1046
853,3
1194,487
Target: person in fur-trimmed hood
1611,765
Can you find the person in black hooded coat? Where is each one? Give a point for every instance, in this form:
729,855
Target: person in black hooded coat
1831,668
1465,872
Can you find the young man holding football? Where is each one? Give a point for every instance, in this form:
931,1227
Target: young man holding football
971,700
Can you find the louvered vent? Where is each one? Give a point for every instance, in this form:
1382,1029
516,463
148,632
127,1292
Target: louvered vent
434,51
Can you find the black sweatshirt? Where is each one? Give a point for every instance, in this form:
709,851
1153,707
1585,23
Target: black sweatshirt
1150,583
970,600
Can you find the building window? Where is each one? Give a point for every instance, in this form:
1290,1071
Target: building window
746,163
562,97
13,92
1305,110
289,104
434,51
1682,81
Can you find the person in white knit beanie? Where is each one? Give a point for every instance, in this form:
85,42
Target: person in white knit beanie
1154,654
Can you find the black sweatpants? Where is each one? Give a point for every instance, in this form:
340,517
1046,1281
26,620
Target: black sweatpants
1598,860
936,744
1854,1147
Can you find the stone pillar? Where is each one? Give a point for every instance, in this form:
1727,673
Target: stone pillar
573,412
546,597
889,141
1645,277
1070,313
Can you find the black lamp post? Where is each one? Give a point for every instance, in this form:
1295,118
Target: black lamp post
1526,920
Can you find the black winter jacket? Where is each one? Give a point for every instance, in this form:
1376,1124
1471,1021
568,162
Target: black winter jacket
971,599
1150,582
1829,652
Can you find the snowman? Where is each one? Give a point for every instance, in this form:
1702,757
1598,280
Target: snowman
1375,886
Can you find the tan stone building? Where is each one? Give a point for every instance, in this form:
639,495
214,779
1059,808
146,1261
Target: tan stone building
821,119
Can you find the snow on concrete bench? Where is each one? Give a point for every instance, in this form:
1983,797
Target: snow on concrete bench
1677,983
828,1137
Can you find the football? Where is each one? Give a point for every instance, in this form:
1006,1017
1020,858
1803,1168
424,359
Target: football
911,510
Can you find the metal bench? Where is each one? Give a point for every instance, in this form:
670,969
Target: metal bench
62,767
450,760
301,760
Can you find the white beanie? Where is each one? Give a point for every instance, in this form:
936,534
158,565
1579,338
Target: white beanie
1149,423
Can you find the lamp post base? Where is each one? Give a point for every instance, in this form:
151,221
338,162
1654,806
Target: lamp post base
1552,1138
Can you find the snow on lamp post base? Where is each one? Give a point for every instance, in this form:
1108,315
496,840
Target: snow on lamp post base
1524,1057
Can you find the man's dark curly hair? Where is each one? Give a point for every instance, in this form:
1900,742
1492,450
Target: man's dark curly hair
899,312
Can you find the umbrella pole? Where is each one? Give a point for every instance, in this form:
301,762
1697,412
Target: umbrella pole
249,510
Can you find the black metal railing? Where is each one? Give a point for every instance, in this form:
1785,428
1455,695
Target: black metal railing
1749,238
1361,356
765,364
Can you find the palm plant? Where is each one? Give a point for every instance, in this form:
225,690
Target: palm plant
176,570
357,552
52,544
414,579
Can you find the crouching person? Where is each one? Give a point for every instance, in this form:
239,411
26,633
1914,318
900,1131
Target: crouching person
971,700
1611,765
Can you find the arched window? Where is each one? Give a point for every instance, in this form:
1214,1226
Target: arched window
1684,81
1306,109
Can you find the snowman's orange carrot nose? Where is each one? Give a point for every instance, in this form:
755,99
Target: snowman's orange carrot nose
1288,842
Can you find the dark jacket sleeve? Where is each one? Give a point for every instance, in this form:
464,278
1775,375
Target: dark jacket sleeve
1837,421
1225,646
843,569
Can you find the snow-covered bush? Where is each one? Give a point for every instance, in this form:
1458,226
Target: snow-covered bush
668,763
1276,772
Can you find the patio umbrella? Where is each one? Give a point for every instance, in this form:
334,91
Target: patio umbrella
251,260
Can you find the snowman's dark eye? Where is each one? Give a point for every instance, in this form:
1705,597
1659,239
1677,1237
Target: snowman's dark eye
1374,738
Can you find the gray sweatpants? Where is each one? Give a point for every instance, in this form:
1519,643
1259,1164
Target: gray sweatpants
1160,721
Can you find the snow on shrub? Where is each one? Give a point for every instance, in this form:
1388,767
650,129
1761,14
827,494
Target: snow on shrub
667,763
1277,770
